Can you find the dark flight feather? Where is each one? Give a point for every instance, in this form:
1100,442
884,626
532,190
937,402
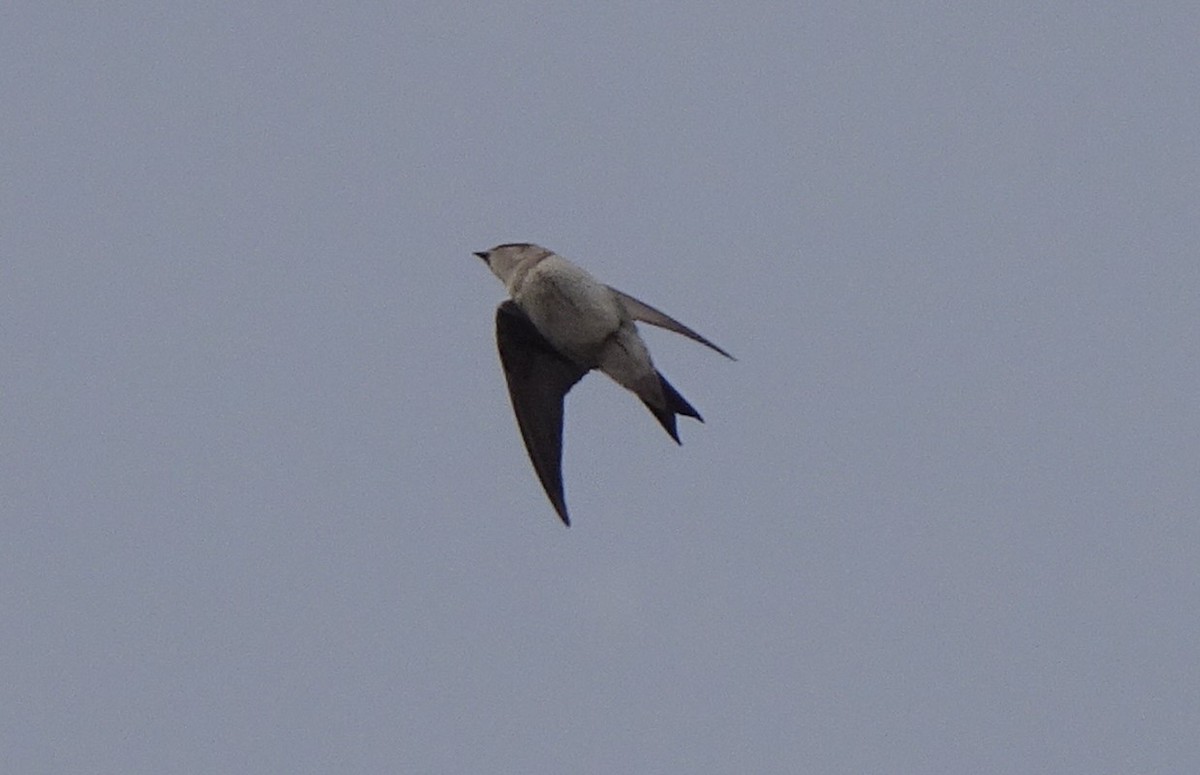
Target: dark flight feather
640,310
538,380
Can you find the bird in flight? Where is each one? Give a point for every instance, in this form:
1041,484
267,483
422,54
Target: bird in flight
559,324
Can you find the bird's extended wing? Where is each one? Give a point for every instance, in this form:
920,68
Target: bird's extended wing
639,310
538,380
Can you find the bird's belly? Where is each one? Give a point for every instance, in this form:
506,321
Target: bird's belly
576,317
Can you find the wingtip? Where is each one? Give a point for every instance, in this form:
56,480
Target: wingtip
560,508
721,350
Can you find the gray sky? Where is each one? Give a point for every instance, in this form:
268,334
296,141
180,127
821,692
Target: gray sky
265,506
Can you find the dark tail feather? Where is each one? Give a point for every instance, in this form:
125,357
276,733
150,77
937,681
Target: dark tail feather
676,404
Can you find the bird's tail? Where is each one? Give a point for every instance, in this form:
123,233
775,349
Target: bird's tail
675,404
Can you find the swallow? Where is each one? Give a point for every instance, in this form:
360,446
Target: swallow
558,324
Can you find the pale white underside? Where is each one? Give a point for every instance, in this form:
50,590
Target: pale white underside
584,319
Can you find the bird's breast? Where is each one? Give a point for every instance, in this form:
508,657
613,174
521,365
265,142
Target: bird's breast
570,308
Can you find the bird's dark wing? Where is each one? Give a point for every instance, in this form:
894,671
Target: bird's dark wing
538,380
639,310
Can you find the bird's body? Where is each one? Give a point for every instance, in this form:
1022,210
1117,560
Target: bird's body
573,310
560,324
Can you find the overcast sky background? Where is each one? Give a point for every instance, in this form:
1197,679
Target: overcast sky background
265,506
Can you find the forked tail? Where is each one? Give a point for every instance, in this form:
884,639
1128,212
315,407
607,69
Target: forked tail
676,404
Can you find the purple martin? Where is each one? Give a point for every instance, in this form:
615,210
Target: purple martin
559,324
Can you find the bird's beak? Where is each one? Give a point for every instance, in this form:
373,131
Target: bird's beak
482,254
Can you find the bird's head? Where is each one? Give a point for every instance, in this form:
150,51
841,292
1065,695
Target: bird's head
504,259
